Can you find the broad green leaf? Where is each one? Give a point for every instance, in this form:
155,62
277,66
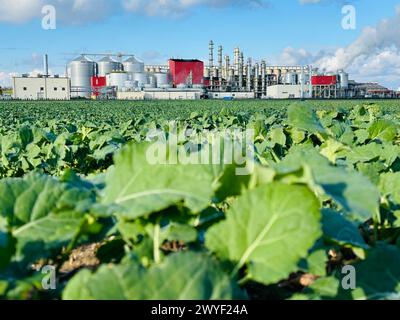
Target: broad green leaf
303,117
268,230
383,130
140,188
178,232
378,277
340,230
390,185
7,248
354,192
37,238
183,276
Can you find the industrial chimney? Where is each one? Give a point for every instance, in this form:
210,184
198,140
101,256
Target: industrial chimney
46,65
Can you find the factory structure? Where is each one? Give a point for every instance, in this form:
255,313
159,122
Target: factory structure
124,77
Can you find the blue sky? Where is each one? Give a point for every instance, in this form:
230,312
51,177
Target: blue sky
280,31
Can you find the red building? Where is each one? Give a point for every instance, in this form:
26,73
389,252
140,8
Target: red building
97,84
323,80
182,70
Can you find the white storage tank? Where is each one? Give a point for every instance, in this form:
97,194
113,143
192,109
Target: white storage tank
344,79
118,79
107,65
161,79
81,71
133,65
141,78
129,84
291,78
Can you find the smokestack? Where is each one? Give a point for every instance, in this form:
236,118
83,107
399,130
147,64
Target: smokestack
46,65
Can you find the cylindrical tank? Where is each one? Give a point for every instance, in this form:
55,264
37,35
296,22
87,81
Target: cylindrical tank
129,84
182,86
107,65
141,78
161,79
118,79
291,78
133,65
344,79
81,71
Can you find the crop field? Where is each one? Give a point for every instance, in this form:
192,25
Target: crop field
312,210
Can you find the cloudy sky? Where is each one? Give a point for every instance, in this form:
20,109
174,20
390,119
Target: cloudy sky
283,32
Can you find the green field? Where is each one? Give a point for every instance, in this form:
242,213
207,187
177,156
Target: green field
319,190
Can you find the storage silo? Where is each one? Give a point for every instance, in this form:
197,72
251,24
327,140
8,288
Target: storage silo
344,79
161,79
133,65
118,79
107,65
82,70
141,78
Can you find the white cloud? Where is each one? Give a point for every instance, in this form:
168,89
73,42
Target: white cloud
5,78
373,56
177,8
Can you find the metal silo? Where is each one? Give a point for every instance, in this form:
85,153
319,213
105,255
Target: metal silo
161,79
108,65
133,65
141,78
118,79
344,79
82,69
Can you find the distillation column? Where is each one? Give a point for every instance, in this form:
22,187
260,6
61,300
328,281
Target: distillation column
263,78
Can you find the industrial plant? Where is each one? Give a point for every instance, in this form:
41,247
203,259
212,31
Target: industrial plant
124,77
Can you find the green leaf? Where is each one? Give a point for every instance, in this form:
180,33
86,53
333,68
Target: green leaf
354,192
140,188
378,277
268,229
183,276
390,185
37,239
7,248
340,230
303,117
178,232
383,130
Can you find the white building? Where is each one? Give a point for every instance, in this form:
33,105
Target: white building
283,91
42,88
